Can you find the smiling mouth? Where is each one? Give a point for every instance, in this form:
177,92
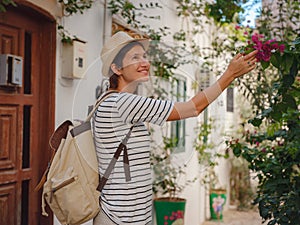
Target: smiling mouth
146,72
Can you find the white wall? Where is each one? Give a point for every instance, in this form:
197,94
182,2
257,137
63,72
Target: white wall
74,96
194,193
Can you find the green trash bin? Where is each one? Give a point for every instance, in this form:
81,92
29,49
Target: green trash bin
217,201
169,211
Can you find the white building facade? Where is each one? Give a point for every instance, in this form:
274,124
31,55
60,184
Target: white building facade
60,98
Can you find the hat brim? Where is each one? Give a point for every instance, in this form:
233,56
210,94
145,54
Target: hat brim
109,56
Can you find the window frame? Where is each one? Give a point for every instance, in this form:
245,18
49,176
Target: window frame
178,128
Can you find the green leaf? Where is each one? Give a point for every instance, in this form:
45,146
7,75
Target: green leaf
276,113
287,62
2,8
237,151
264,212
275,60
294,68
289,101
288,80
255,122
264,64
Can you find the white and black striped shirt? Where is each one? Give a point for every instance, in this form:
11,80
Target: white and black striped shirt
127,202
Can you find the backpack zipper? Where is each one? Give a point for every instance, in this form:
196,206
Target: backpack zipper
63,184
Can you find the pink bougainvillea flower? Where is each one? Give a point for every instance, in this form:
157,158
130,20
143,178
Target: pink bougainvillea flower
281,48
265,48
258,46
275,46
268,42
255,38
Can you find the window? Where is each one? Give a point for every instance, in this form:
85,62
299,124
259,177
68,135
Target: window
178,127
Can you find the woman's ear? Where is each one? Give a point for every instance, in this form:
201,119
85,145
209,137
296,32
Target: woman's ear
115,69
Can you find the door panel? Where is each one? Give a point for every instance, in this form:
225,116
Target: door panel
7,204
9,40
25,112
8,138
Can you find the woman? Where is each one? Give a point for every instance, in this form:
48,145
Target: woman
125,63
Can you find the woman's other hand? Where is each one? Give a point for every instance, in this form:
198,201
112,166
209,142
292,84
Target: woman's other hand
241,64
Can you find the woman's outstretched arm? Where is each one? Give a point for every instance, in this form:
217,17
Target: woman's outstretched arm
238,66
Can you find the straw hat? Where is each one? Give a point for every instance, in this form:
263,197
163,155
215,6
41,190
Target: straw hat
112,47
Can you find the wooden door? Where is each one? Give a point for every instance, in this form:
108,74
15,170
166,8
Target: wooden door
26,114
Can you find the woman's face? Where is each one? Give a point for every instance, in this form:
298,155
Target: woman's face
135,65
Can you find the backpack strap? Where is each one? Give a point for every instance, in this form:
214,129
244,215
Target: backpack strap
60,133
54,142
121,147
99,101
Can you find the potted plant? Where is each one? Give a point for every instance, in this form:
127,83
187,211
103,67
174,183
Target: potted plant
167,185
217,197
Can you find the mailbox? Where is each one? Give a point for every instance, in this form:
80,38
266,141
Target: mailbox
11,70
74,59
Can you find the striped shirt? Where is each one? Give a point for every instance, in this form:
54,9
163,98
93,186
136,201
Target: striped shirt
127,202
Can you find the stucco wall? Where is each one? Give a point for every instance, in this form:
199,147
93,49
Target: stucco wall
51,6
74,96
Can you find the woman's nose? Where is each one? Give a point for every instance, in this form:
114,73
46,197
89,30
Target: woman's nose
144,61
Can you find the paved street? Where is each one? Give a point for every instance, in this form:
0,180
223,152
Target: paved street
233,217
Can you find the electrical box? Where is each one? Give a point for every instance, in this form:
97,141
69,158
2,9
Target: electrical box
74,59
11,70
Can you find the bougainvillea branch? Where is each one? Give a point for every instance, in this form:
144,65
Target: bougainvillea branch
265,47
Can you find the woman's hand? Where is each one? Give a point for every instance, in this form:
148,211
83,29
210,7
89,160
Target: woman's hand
238,66
241,65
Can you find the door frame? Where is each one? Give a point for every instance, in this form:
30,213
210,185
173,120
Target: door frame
46,117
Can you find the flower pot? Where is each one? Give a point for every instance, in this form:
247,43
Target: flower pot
169,211
217,201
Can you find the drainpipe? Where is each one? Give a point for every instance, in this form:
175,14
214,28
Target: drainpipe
101,88
104,21
107,22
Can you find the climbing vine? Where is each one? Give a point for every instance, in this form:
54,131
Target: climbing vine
75,6
5,3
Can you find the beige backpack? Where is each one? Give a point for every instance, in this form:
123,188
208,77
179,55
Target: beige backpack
71,184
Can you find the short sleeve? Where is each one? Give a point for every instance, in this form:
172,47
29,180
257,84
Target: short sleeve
134,108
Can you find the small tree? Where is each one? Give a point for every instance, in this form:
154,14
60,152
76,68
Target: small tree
169,179
272,147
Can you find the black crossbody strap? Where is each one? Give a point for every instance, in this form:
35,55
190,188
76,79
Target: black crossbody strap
121,147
